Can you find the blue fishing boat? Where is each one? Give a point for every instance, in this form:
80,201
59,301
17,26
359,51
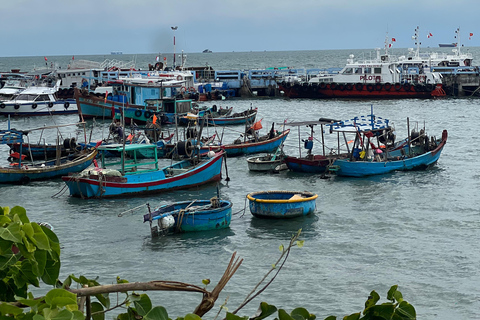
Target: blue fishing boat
367,158
135,177
281,204
190,216
249,145
24,172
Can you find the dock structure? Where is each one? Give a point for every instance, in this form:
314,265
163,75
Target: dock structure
460,81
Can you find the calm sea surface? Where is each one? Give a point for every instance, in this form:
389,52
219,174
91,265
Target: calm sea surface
419,230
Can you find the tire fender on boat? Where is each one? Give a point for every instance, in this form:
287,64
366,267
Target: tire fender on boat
138,113
16,106
2,105
50,104
66,105
34,106
147,114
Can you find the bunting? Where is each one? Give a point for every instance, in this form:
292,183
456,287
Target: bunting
429,35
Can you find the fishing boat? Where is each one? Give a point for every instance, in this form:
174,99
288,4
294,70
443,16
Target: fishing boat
281,204
247,116
135,177
382,77
311,163
45,151
272,162
136,100
369,156
250,143
189,216
38,101
26,171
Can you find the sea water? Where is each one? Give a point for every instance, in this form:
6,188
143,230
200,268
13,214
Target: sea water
419,230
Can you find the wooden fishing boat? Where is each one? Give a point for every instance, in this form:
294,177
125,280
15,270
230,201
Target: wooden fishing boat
247,116
367,158
311,163
281,204
24,173
135,177
42,151
250,145
268,163
190,216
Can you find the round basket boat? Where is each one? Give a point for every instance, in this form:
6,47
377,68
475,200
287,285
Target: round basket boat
281,204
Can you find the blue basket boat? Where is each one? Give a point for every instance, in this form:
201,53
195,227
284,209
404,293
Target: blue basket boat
190,216
282,204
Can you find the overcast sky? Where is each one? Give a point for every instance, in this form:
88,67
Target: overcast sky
66,27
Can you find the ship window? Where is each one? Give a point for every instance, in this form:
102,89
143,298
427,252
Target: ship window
368,70
348,71
42,97
358,70
377,70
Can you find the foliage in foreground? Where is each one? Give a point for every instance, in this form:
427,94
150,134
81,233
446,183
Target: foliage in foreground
30,252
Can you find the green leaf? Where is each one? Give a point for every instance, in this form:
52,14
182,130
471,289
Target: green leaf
353,316
300,243
231,316
264,310
4,220
7,260
398,296
302,312
383,311
52,270
104,299
6,308
283,315
97,307
331,318
281,248
372,300
143,305
391,292
60,298
41,239
41,259
13,232
63,315
77,315
157,313
405,311
192,316
20,213
38,317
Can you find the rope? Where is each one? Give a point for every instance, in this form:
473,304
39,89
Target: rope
244,209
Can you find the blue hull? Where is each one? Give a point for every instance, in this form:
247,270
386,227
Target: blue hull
147,182
347,168
202,216
50,170
281,204
267,146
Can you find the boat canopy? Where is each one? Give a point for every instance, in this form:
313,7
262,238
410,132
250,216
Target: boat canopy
360,124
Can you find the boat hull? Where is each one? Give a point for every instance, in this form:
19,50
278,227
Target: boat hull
233,120
155,181
281,204
44,108
50,170
315,164
201,217
360,90
264,164
267,146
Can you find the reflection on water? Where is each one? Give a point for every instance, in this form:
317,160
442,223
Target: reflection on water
283,228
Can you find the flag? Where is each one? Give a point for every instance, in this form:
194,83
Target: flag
45,58
393,39
154,119
471,35
429,35
73,57
257,125
164,58
157,58
106,94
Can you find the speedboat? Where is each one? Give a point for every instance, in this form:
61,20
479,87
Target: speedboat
38,101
